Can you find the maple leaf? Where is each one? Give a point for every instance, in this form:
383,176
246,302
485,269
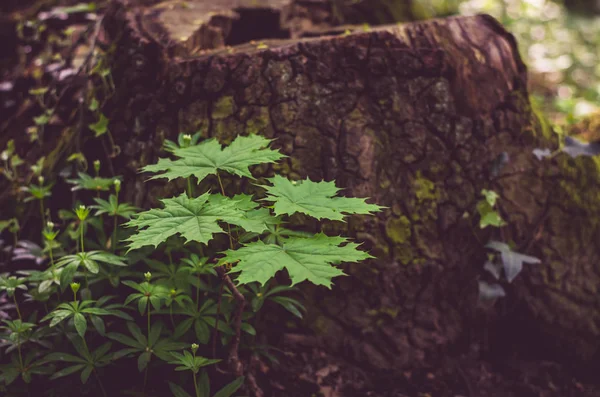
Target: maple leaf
195,219
310,259
208,157
314,198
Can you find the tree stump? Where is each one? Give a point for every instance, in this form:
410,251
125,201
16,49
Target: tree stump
413,116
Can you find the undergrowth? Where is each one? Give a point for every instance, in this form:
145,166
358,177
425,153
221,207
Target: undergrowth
181,285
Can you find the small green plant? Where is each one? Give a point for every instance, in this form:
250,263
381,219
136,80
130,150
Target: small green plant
503,264
312,258
193,264
487,212
11,162
190,362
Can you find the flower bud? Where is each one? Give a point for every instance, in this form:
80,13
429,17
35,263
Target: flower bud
147,276
75,287
82,212
117,184
194,348
97,166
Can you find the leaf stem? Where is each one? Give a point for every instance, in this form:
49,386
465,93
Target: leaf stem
222,278
148,347
43,212
194,373
196,383
100,383
85,344
233,360
146,376
17,307
189,187
51,259
81,237
228,227
18,333
148,332
114,234
19,351
220,184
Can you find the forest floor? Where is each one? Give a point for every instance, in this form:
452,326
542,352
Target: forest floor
310,371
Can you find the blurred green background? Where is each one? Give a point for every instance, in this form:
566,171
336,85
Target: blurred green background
559,41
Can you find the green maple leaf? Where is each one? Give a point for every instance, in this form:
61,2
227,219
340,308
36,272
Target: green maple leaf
208,157
310,259
315,199
195,219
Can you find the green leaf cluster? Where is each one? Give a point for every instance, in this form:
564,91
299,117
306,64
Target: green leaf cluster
142,291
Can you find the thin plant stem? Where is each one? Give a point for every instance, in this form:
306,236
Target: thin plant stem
195,382
228,227
22,367
145,377
43,212
85,344
18,334
17,307
114,234
148,332
220,184
51,259
94,370
148,341
189,187
214,342
233,360
100,383
81,237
